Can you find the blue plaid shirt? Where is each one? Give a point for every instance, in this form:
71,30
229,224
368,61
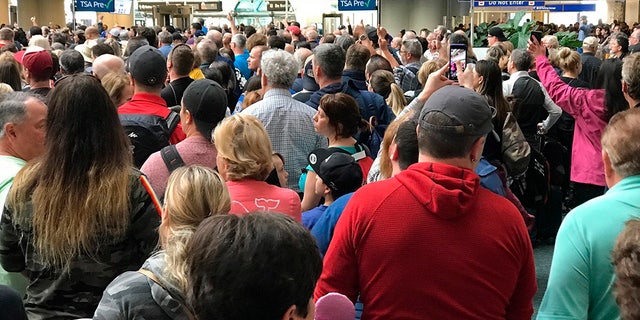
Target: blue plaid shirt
289,124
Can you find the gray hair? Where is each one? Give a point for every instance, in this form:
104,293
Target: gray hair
344,42
13,108
522,60
312,35
279,67
239,39
124,35
631,75
413,46
165,37
71,61
330,58
207,50
409,35
301,55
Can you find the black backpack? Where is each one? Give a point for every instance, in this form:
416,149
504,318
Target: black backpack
532,189
528,106
148,133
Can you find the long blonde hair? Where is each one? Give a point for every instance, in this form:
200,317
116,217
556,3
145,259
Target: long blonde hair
79,188
193,194
382,83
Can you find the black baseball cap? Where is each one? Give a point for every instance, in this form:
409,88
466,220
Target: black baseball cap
206,101
497,32
338,170
148,66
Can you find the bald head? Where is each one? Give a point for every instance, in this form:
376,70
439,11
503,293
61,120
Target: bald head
215,36
91,33
107,63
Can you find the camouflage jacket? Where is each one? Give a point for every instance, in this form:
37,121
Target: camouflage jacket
72,294
133,295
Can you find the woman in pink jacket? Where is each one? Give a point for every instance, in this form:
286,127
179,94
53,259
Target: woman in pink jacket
591,109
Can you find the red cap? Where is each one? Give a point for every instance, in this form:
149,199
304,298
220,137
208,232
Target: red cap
38,62
295,30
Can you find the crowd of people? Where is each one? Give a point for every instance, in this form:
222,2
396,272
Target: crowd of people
241,173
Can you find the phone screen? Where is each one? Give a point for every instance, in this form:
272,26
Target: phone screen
537,35
457,52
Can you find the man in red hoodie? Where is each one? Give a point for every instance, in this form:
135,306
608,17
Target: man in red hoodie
431,243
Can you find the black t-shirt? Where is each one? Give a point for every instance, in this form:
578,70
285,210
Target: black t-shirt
39,91
173,92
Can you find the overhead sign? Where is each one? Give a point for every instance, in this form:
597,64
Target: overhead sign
210,6
123,6
356,5
508,3
277,5
578,7
95,5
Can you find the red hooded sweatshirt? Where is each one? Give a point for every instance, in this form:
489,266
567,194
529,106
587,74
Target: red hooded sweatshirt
431,243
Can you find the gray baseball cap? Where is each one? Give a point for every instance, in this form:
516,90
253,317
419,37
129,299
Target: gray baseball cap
469,109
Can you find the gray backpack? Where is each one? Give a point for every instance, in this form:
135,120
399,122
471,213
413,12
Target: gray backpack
516,151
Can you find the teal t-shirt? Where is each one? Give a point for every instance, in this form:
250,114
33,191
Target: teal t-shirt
581,273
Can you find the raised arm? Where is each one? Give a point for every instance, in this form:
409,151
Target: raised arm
232,23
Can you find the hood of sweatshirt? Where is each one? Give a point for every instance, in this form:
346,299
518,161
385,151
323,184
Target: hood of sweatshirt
444,190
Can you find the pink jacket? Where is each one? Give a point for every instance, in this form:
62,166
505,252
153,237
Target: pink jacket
252,195
587,107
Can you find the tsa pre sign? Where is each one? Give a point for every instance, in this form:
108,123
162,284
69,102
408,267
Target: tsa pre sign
95,5
353,5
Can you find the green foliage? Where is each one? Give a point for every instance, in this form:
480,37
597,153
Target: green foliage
518,34
480,34
568,39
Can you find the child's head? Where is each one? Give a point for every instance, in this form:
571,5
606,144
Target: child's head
278,164
626,259
338,173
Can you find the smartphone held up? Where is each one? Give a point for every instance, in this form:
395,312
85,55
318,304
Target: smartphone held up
457,52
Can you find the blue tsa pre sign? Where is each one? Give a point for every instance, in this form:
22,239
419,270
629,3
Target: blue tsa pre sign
353,5
95,5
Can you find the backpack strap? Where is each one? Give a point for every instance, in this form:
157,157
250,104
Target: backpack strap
5,183
171,157
362,151
172,121
413,69
157,281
